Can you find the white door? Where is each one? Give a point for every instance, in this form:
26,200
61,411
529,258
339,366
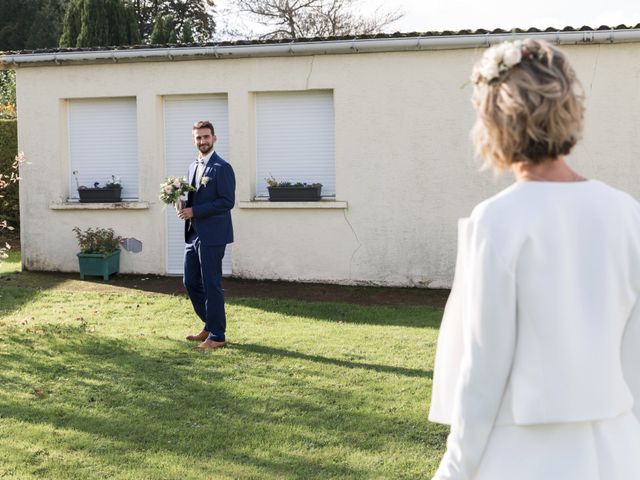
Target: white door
180,113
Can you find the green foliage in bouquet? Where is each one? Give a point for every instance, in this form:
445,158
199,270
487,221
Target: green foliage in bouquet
173,188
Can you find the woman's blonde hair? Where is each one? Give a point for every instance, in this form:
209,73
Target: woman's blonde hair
528,110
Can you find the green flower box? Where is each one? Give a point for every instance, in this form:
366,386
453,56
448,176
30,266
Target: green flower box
99,264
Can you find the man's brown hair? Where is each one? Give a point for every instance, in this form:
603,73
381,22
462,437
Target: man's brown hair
204,124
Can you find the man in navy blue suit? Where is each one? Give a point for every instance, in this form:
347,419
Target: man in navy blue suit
207,231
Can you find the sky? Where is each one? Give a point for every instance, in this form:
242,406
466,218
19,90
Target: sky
439,15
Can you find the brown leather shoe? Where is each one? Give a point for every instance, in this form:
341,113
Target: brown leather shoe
210,344
199,337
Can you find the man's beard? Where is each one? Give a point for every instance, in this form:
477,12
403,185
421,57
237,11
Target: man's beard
207,149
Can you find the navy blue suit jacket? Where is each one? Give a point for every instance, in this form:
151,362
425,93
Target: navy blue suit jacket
212,202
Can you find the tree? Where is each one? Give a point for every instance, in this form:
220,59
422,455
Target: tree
7,94
314,18
31,24
98,23
164,30
195,16
6,180
187,33
34,24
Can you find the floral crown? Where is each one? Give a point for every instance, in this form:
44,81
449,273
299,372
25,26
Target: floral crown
500,58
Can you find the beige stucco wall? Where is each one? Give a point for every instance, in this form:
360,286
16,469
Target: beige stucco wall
404,164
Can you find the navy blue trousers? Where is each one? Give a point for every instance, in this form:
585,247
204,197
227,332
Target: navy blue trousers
202,279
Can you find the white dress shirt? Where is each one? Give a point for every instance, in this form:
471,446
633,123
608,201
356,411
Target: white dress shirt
543,322
201,162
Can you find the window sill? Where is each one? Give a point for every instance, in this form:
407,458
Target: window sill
264,204
75,205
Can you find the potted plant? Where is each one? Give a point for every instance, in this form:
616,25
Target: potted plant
99,252
293,192
110,193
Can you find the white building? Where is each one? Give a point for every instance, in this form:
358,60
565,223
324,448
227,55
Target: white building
383,123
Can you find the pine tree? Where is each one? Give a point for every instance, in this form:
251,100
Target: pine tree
30,24
46,24
71,25
171,29
187,33
164,30
99,23
158,34
199,13
93,24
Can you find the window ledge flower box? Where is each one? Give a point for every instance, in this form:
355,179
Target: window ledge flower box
309,193
100,195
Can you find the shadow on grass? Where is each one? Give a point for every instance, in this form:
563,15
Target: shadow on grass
134,402
14,298
234,288
280,352
30,284
401,316
27,284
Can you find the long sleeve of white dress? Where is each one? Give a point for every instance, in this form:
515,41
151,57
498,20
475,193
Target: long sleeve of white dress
450,345
489,335
631,356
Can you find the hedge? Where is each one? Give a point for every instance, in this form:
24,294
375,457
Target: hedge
9,204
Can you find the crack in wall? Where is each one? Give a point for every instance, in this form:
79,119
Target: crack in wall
313,59
344,213
595,67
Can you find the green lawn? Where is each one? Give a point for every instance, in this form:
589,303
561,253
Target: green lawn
101,384
11,264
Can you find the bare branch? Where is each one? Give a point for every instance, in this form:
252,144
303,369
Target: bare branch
313,18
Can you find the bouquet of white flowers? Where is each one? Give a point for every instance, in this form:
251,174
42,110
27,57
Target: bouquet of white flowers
173,189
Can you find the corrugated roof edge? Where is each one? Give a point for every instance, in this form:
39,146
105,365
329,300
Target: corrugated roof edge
399,41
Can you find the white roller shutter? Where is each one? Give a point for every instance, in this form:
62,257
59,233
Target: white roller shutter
103,141
295,139
180,113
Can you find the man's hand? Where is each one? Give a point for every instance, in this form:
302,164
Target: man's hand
185,213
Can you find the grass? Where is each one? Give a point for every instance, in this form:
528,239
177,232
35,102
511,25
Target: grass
101,384
12,263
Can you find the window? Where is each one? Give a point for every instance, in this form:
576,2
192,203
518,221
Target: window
103,142
295,139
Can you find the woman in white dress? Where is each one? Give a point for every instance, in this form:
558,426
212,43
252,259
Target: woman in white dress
538,363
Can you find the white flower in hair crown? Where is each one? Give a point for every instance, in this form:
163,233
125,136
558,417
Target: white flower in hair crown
499,59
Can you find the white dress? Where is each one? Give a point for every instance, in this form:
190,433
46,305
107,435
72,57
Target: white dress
538,362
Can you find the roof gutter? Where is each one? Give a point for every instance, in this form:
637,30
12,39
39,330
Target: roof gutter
322,47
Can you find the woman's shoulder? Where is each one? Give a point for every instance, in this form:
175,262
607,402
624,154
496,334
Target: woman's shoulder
535,193
615,192
618,201
498,207
519,205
